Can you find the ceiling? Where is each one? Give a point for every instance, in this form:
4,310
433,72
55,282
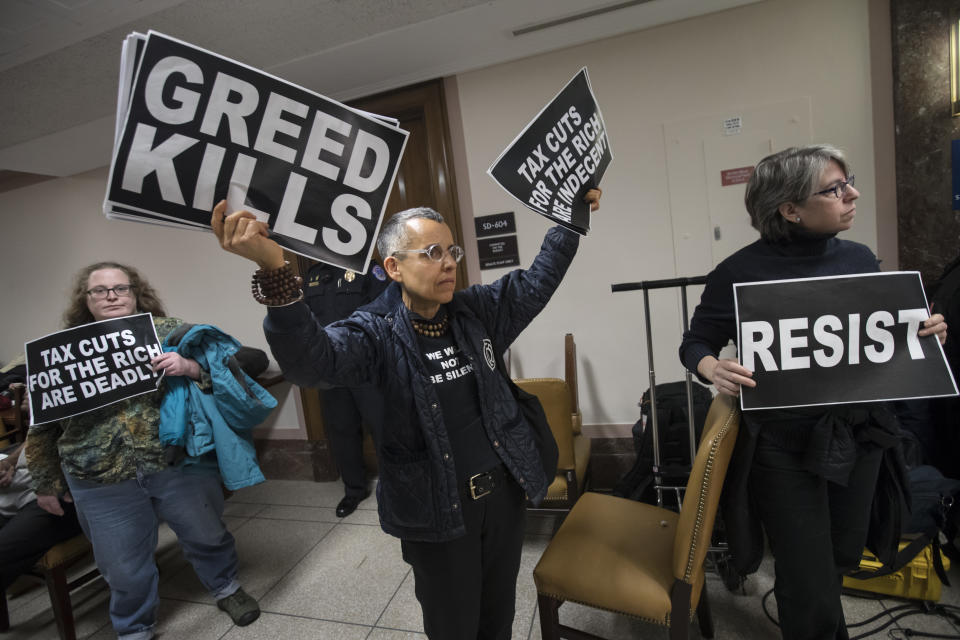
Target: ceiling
59,59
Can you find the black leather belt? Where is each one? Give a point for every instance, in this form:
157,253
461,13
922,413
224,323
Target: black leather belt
483,484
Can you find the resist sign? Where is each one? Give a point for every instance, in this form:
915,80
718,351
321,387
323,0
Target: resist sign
87,367
836,340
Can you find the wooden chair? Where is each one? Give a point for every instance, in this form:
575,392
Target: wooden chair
637,559
560,400
52,567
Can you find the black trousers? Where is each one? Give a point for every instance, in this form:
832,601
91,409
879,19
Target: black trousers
817,530
28,534
344,412
467,587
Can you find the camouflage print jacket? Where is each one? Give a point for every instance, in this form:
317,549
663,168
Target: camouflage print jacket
107,445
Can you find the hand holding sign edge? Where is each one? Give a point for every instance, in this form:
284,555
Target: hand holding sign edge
934,325
241,233
727,375
592,197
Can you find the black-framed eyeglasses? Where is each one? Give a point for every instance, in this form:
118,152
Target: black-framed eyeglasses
435,252
836,190
120,290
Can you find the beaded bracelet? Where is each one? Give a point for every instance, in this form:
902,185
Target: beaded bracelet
276,287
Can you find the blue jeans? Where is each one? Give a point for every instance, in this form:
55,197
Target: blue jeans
121,522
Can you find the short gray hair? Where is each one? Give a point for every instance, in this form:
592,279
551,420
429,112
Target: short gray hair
791,175
393,234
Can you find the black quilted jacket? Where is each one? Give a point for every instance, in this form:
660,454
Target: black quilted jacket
417,491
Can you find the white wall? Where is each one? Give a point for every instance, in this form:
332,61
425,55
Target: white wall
760,54
60,229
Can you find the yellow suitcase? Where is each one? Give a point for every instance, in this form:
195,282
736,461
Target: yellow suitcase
918,580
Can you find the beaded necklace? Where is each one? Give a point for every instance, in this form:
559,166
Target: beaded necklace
431,329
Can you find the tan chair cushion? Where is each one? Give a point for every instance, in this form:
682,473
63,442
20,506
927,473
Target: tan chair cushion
614,554
65,552
624,556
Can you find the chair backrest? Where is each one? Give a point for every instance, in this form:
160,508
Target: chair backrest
695,527
554,395
570,374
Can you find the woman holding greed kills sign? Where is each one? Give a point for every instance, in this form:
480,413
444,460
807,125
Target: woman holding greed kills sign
456,459
814,469
110,462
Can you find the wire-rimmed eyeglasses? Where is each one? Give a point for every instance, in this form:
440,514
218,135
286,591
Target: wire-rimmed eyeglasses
435,252
836,190
120,290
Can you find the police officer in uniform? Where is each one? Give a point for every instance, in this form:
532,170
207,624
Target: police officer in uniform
332,294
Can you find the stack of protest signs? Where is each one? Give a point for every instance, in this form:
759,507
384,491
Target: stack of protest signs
194,127
838,340
559,156
91,366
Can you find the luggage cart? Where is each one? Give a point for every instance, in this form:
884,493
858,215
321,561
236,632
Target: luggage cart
719,550
658,471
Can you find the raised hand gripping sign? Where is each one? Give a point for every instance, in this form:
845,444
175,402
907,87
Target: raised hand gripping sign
199,127
837,340
559,156
87,367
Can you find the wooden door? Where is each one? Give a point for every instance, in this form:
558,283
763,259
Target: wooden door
425,178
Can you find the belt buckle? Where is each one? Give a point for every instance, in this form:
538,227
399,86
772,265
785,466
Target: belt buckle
478,492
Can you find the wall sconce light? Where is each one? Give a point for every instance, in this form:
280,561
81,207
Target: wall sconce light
955,65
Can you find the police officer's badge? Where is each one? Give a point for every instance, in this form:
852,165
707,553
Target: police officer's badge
488,354
379,273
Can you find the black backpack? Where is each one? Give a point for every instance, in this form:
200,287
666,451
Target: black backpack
932,519
673,432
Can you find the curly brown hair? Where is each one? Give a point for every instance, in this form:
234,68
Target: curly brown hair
78,313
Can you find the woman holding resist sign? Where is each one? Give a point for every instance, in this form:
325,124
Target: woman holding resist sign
814,469
111,463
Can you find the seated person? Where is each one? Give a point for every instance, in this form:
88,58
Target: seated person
26,530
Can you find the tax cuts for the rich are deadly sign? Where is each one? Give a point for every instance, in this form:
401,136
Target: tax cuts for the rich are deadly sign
559,156
199,127
87,367
838,339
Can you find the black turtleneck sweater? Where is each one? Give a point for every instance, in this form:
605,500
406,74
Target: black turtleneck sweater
802,256
714,321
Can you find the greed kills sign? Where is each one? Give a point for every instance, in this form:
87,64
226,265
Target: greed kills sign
201,127
836,340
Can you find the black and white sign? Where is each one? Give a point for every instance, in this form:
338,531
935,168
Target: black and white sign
87,367
495,253
559,156
836,340
496,224
199,127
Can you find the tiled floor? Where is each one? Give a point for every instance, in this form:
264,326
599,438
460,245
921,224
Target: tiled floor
318,576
